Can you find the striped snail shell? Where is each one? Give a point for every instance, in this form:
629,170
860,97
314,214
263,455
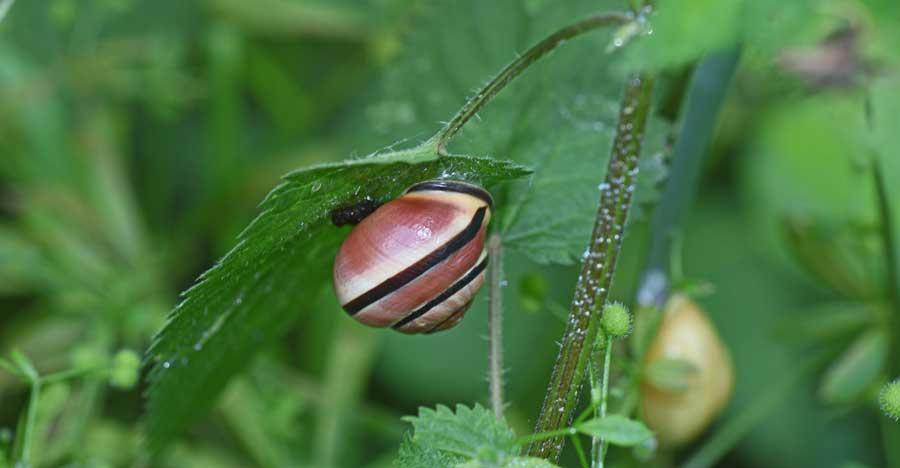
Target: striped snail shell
416,262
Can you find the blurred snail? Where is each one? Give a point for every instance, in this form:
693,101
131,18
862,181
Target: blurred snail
686,336
416,262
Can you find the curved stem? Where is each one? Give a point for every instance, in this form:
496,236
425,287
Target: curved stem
593,284
517,66
495,325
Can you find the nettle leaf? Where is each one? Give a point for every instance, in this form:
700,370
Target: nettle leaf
558,117
856,370
281,259
413,455
469,433
617,430
515,462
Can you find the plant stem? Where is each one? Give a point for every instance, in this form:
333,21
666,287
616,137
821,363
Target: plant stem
582,459
22,449
517,66
546,435
597,272
495,324
598,449
703,97
69,374
890,253
889,428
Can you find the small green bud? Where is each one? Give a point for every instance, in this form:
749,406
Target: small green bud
616,320
889,399
125,369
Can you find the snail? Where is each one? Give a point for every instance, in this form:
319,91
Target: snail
687,335
415,262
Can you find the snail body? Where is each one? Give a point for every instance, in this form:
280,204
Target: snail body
416,262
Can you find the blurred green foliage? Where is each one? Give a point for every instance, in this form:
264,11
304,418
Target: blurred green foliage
138,138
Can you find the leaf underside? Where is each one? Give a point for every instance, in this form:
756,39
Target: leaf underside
280,261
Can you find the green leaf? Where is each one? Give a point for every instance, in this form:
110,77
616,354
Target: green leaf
617,430
682,31
529,462
516,462
469,433
281,259
854,371
845,256
413,455
558,117
829,323
21,266
670,374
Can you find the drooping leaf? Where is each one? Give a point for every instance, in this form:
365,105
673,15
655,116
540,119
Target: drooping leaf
558,117
855,370
469,433
251,295
617,429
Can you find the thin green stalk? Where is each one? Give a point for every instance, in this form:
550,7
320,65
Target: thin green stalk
69,374
517,66
599,266
582,459
890,254
546,435
347,371
495,325
889,428
598,450
22,449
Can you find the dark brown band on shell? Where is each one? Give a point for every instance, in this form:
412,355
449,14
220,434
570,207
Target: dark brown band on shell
417,269
353,213
458,286
454,186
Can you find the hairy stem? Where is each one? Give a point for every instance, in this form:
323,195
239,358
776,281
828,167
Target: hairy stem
495,324
599,265
517,66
